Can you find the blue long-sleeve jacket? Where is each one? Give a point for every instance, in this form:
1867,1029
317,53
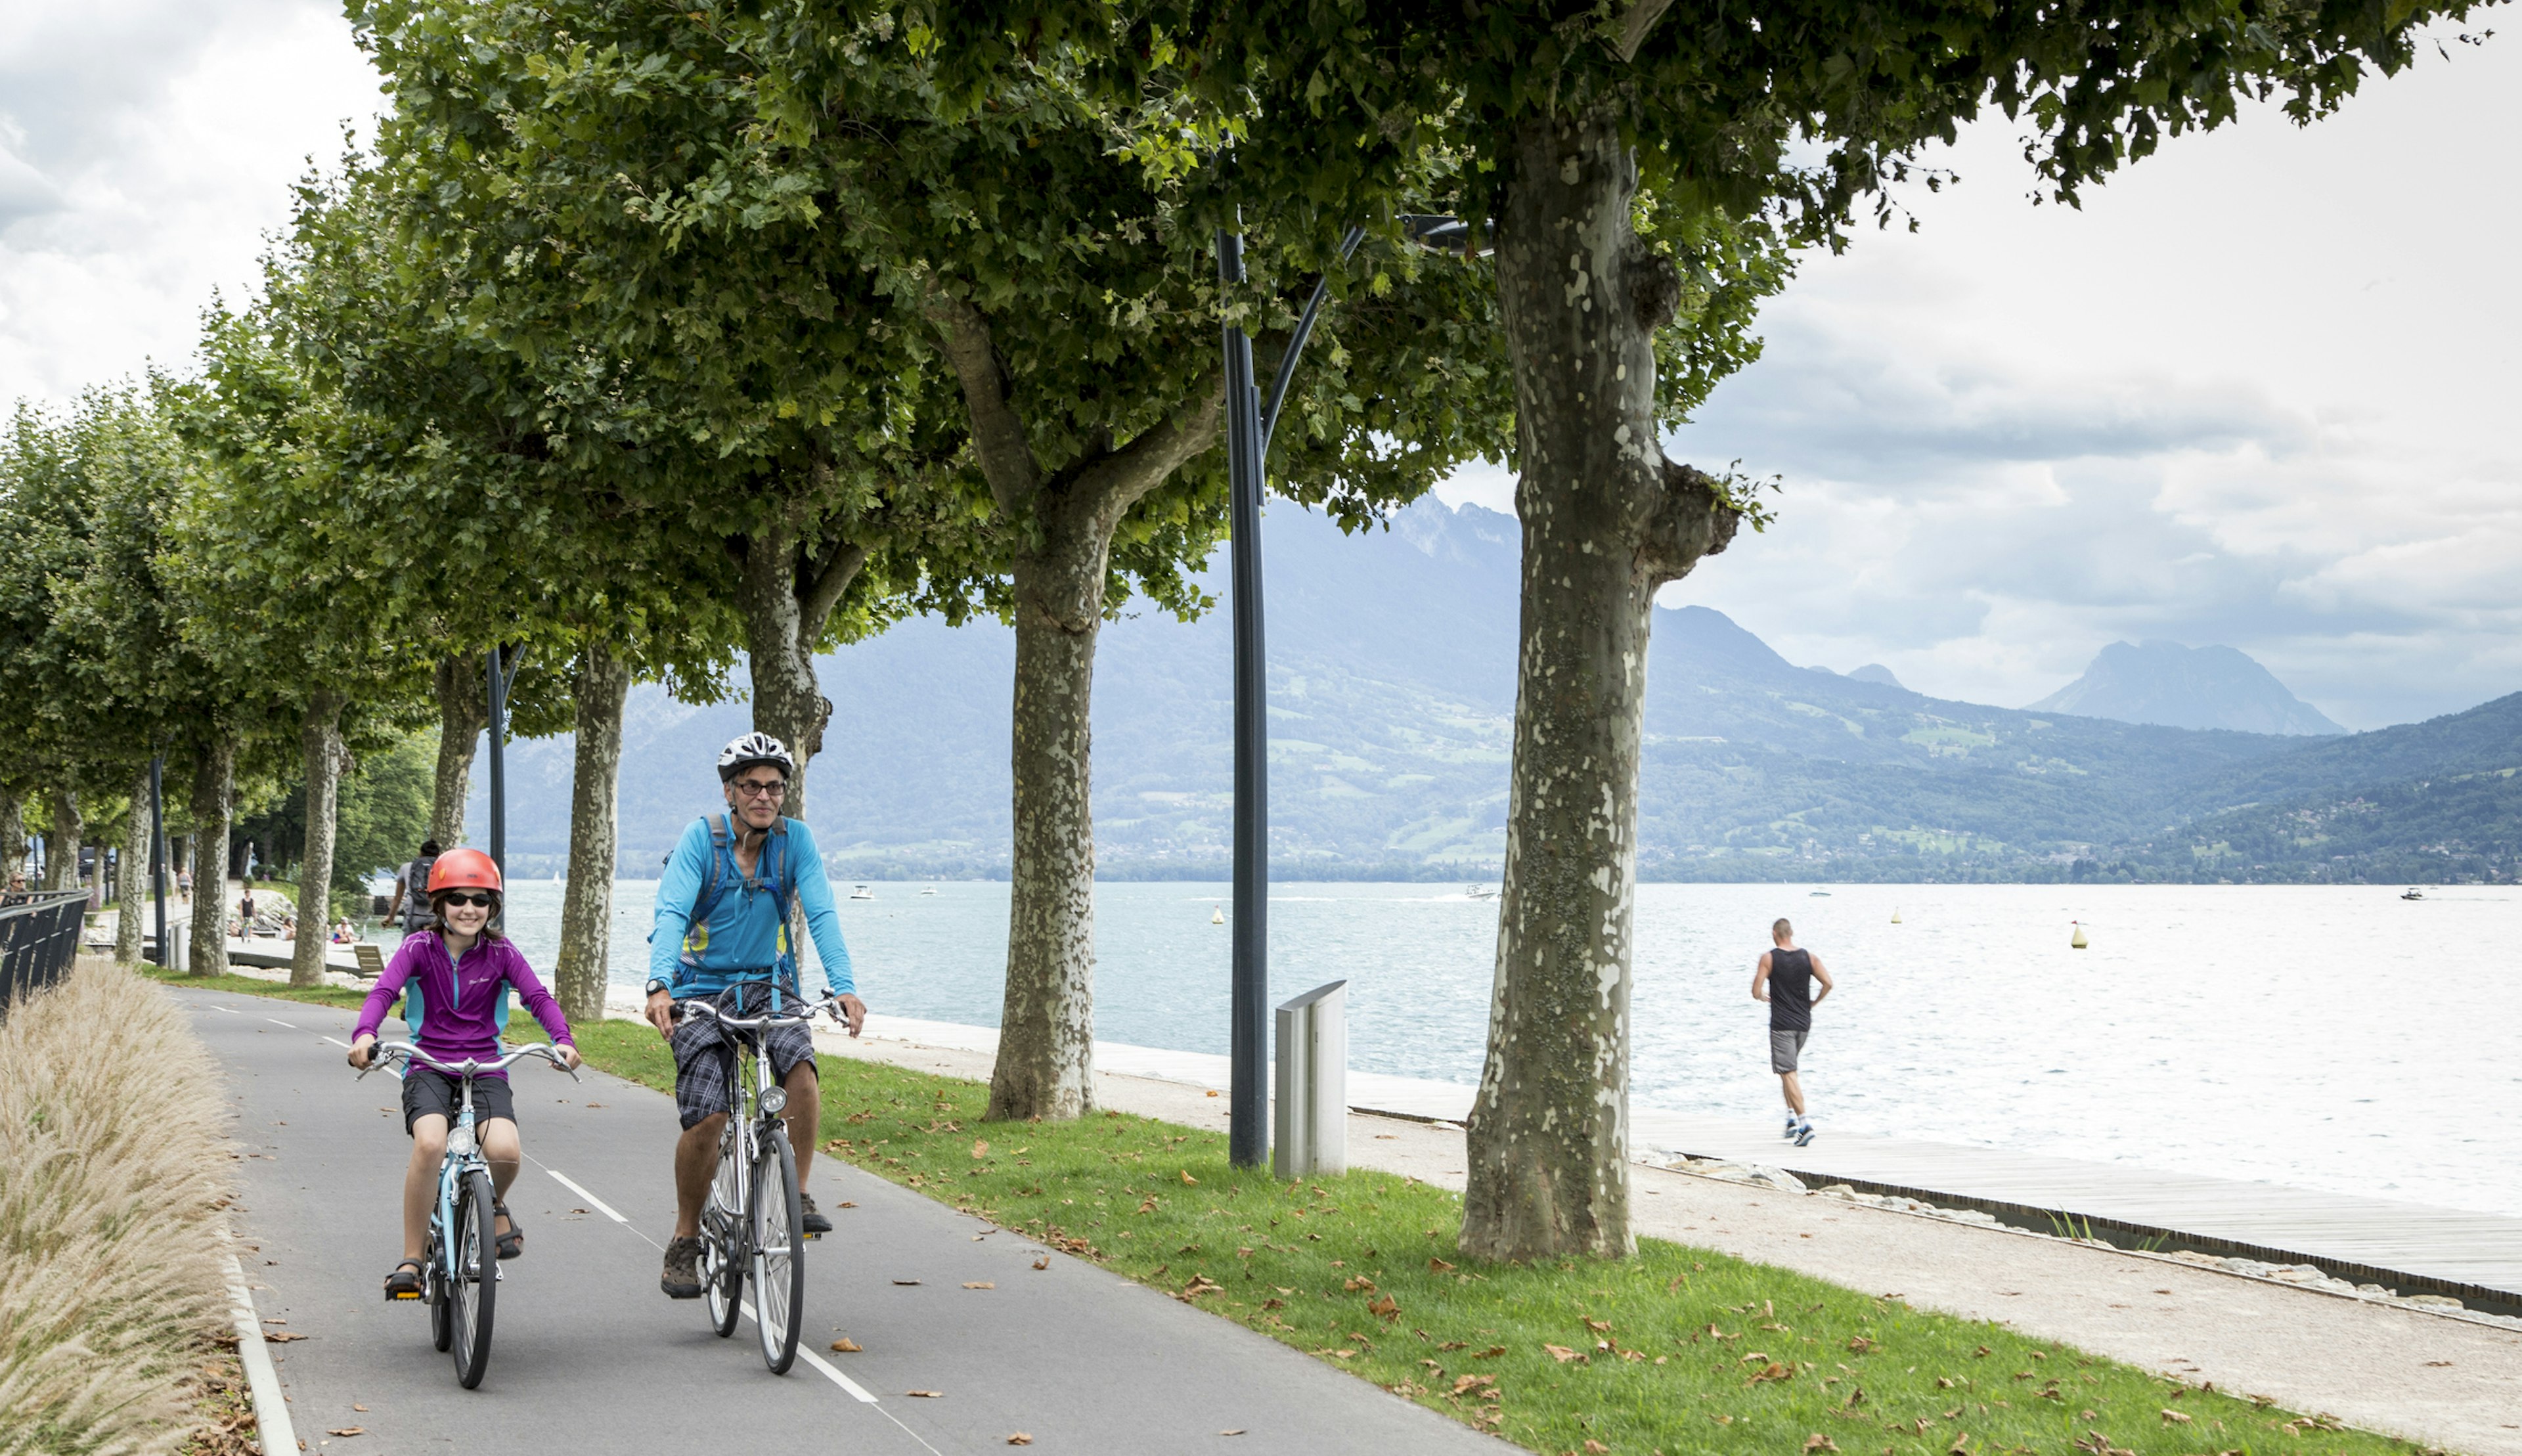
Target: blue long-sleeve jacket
743,935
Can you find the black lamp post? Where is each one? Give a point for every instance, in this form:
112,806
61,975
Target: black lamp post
157,851
504,662
1249,427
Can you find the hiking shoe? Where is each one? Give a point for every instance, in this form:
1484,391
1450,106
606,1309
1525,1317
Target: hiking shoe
813,1221
682,1277
1804,1135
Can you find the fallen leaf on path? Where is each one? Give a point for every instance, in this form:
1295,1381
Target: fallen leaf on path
1491,1353
347,1431
359,1408
1149,1207
1019,1438
847,1204
848,1346
1436,1265
1212,1091
1187,1179
1043,1263
1819,1442
926,1394
1385,1308
978,1283
905,1281
1773,1371
1357,1282
1859,1343
2175,1417
1238,1430
279,1337
599,1106
1562,1353
1465,1383
1598,1326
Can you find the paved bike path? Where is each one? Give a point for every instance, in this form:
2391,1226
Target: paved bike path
587,1354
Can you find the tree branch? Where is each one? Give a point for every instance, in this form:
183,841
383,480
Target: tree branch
1116,481
821,588
998,435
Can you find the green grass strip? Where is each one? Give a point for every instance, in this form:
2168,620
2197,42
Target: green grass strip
1681,1350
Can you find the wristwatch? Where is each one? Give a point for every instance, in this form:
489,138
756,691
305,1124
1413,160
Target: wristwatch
659,983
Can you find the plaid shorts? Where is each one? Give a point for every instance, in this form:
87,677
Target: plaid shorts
705,1064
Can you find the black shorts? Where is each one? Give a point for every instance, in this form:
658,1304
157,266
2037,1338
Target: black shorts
425,1090
705,1064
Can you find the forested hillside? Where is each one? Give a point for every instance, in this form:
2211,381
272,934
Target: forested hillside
1391,699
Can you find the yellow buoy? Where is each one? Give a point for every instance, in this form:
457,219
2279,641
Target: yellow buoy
1217,915
2077,943
1895,915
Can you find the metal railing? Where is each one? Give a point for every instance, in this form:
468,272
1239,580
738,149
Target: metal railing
40,937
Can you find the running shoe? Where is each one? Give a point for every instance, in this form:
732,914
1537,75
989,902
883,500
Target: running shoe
1804,1134
1792,1122
811,1218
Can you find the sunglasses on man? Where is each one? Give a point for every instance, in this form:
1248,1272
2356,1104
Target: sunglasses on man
484,899
754,788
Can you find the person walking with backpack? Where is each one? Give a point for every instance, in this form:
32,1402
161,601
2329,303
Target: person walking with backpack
410,903
723,917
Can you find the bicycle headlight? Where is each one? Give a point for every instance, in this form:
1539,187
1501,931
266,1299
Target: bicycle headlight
775,1098
460,1141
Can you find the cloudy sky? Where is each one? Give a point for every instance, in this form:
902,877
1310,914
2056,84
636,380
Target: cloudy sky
2258,392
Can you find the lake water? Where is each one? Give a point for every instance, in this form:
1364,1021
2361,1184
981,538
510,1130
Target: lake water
2324,1037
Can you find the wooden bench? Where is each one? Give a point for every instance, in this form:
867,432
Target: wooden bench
372,962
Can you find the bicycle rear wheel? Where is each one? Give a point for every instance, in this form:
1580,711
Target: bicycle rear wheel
474,1284
721,1261
778,1254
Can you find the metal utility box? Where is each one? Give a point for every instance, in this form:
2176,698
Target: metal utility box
1311,1111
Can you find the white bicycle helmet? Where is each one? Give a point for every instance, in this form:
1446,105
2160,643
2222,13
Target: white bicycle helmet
751,749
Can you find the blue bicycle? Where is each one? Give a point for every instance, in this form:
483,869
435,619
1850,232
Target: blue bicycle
461,1277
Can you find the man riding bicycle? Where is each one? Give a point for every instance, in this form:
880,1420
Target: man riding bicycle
723,917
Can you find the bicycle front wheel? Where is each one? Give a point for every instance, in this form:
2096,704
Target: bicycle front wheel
475,1278
778,1253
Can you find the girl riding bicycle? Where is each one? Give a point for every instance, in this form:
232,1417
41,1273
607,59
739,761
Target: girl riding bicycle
455,975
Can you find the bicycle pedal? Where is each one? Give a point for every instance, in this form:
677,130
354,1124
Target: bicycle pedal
413,1298
814,1237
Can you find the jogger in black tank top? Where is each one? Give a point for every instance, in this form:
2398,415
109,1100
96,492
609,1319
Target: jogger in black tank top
1784,980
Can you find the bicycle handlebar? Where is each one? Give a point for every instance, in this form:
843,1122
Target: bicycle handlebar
467,1069
826,1002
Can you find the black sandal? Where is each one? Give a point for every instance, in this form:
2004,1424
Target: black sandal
512,1243
404,1281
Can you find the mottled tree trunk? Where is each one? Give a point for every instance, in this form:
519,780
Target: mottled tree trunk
1046,1061
131,877
601,683
1606,518
322,741
214,803
786,607
463,712
61,848
13,836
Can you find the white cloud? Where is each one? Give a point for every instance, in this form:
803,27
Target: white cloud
2256,392
145,149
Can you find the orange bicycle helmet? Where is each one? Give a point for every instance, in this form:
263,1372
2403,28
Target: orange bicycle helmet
464,870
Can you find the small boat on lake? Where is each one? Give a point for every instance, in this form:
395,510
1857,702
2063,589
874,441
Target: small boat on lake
2413,894
1478,892
862,892
931,890
1818,895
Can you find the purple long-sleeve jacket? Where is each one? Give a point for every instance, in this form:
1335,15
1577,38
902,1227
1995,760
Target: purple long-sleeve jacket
457,1001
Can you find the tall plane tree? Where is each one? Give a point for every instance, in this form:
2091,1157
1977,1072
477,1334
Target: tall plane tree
1621,143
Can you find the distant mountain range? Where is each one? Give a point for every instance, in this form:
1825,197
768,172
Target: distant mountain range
2195,687
1392,697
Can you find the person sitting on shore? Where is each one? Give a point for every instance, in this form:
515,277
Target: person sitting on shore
459,971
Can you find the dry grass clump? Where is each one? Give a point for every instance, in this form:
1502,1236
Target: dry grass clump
114,1175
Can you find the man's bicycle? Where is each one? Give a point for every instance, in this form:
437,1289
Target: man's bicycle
461,1274
751,1225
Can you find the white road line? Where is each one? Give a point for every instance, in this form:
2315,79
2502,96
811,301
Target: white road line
270,1409
573,1185
856,1389
338,1042
214,1005
276,1021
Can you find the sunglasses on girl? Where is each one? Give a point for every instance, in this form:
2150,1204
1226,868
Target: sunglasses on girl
484,899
